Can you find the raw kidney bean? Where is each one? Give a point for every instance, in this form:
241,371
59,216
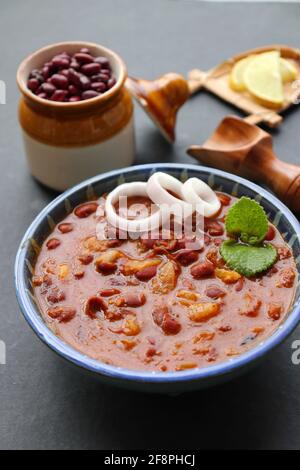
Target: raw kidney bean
90,69
59,81
86,95
84,50
74,64
59,95
46,72
61,62
74,77
111,82
48,88
85,210
85,82
74,98
102,61
98,86
73,90
62,314
42,95
65,227
201,270
83,58
53,243
33,84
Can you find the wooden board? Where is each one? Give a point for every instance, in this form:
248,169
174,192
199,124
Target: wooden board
217,82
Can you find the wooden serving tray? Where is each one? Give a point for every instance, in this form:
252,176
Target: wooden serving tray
216,81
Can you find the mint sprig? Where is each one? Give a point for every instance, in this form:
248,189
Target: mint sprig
248,260
247,222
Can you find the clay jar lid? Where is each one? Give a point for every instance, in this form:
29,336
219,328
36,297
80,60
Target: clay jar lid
161,99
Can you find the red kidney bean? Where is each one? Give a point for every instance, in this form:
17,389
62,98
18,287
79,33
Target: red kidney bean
55,295
59,95
74,98
95,305
90,69
106,268
214,292
111,82
74,64
74,77
106,71
102,77
134,300
270,233
86,209
109,292
42,95
85,259
60,81
83,58
65,227
214,228
224,199
62,314
102,61
201,270
37,74
48,88
73,90
164,319
186,257
33,84
46,72
84,82
99,86
88,94
65,73
239,285
61,62
146,274
53,243
84,50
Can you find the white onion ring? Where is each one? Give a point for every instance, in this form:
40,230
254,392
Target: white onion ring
199,193
147,224
157,188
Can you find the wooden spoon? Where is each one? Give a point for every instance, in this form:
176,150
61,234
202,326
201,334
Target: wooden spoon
244,149
161,99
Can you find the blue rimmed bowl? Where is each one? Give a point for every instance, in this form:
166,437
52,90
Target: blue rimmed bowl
170,382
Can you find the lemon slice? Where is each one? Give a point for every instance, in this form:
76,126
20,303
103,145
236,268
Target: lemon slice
288,71
263,79
236,78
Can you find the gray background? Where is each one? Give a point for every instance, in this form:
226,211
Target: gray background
44,403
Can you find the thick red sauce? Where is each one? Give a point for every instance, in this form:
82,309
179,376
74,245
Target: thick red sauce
156,306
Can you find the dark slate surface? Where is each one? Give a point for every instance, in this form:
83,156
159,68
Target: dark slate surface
44,403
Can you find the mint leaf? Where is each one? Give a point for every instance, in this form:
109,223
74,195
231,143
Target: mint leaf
248,260
247,220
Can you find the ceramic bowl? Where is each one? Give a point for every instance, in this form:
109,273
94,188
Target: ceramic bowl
170,382
66,143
